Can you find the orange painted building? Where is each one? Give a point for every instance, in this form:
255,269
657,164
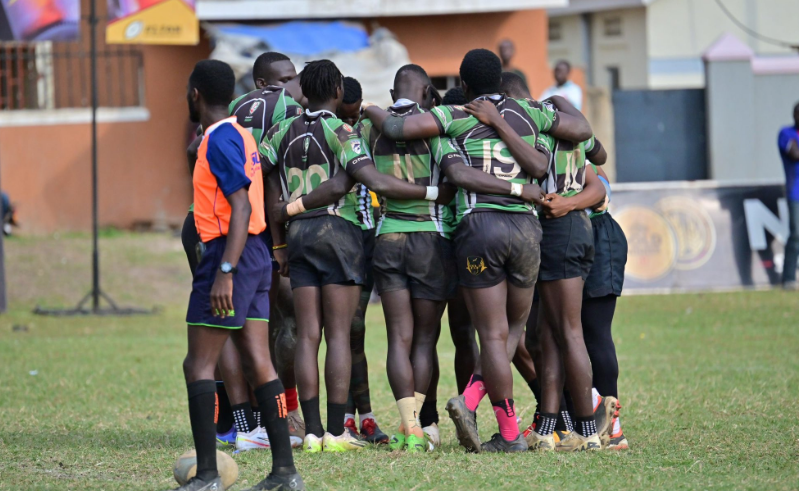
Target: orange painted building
45,154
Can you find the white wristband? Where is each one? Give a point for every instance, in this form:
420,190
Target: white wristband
432,193
515,189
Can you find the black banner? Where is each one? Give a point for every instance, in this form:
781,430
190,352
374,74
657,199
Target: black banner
690,236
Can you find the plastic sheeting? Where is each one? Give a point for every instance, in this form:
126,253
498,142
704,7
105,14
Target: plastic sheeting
372,60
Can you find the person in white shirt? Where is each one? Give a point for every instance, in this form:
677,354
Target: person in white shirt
564,87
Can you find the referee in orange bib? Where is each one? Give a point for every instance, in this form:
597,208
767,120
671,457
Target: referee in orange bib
230,293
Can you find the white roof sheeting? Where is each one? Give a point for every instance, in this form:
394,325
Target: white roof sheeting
585,6
211,10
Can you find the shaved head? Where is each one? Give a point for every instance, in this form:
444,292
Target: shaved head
412,82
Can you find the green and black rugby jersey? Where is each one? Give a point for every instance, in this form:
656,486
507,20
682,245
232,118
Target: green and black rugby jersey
415,161
259,110
590,211
566,173
483,149
309,149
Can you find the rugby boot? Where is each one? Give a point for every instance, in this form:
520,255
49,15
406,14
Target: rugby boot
350,423
312,443
197,484
617,439
414,444
575,442
606,409
498,444
228,439
465,424
274,482
371,433
256,439
537,442
346,442
560,435
296,428
433,436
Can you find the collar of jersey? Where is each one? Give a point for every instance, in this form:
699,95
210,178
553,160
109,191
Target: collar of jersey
214,126
402,102
318,113
493,97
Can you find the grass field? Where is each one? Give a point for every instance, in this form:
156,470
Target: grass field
709,383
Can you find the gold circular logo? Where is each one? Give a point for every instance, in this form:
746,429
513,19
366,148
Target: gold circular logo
652,247
693,227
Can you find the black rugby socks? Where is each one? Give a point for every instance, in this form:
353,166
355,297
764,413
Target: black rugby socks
244,417
335,418
272,401
202,399
224,419
313,420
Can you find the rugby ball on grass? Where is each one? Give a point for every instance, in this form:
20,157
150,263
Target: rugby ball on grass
186,468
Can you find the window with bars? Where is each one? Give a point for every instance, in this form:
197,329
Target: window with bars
613,26
555,30
445,83
56,75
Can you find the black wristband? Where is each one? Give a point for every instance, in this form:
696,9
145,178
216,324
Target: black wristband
594,151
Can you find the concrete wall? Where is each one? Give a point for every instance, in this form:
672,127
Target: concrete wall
627,52
438,43
679,31
746,107
571,45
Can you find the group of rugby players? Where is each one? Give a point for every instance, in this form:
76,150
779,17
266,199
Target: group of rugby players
482,194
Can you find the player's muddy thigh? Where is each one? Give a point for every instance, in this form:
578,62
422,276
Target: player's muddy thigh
523,267
498,255
492,327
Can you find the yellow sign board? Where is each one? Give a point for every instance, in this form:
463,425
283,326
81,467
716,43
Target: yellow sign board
159,22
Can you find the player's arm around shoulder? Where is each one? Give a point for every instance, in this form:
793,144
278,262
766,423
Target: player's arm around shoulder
451,163
594,151
414,127
562,120
524,151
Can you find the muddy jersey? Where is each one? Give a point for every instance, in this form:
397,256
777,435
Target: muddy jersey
308,150
483,149
259,110
414,161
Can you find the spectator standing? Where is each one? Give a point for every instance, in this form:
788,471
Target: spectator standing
788,142
506,52
563,86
